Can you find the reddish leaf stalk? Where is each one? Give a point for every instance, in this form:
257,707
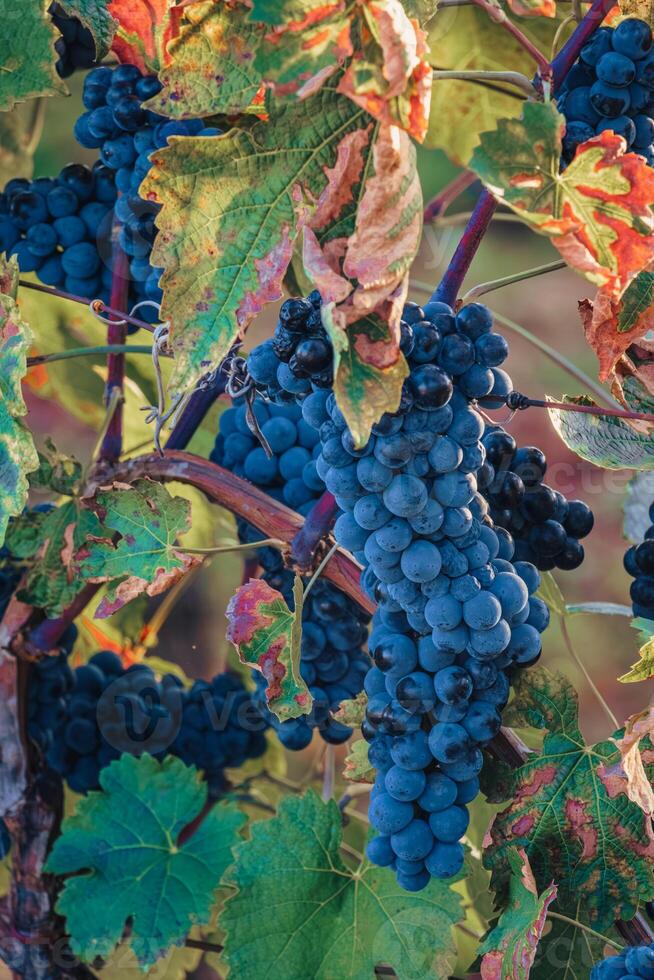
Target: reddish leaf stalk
500,17
116,334
317,524
448,289
441,202
98,305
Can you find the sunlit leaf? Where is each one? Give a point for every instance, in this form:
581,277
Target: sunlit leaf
324,920
267,636
643,669
233,208
144,558
606,441
597,211
144,29
357,766
508,951
125,868
638,786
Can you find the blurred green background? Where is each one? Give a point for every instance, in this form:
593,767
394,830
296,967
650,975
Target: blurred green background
547,306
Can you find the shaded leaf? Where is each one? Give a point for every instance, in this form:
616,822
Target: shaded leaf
57,472
95,16
48,541
267,636
144,558
135,868
325,920
17,453
210,66
144,29
573,820
233,208
364,392
568,952
509,949
606,441
643,669
465,38
27,54
422,10
638,8
635,506
15,158
357,767
633,378
597,211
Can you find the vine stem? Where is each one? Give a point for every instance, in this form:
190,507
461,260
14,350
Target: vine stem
441,202
112,442
316,575
449,286
493,284
589,680
581,925
96,304
65,355
227,548
500,17
620,413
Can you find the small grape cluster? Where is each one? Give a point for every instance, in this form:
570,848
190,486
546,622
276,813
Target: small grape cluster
639,563
84,719
455,615
334,628
75,47
299,355
631,964
60,228
611,87
126,134
546,527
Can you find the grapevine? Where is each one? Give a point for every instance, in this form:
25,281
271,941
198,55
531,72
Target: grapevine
292,608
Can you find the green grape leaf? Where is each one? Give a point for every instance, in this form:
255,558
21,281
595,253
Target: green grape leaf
643,669
566,950
597,211
606,441
569,811
422,10
15,158
364,391
121,846
57,472
267,636
217,278
144,558
509,949
465,38
27,54
324,920
177,964
18,456
353,711
358,768
211,66
49,541
95,16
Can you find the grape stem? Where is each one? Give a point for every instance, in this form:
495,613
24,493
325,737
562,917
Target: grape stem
580,925
441,202
227,548
316,575
97,304
515,78
570,51
519,402
449,286
65,355
493,284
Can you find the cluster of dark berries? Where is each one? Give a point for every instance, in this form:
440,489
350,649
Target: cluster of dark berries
639,563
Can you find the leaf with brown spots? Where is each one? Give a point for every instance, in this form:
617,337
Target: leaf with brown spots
577,827
267,636
135,550
638,786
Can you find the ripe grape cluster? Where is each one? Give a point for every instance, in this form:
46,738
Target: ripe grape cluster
639,563
60,228
75,47
334,628
455,615
546,527
611,87
84,719
631,964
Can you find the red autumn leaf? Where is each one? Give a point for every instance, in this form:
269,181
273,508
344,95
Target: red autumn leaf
144,29
533,8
